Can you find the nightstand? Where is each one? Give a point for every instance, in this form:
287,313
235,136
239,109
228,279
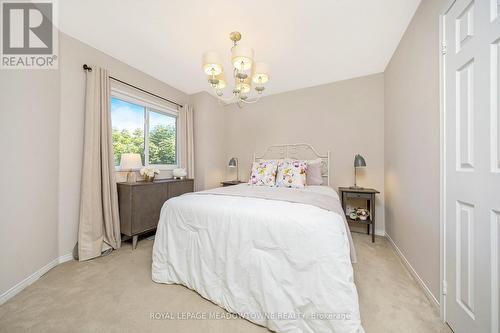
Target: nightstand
231,182
368,194
140,204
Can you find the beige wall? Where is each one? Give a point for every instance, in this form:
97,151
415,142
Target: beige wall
29,129
73,54
412,144
345,117
210,141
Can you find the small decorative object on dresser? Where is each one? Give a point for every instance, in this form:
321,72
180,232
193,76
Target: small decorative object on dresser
361,215
140,204
230,183
179,173
149,173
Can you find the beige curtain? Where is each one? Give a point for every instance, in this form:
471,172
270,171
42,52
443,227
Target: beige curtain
187,139
99,226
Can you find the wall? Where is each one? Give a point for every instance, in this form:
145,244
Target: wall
344,117
412,144
73,54
29,127
210,141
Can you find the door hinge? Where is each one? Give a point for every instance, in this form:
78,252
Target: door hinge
444,48
445,287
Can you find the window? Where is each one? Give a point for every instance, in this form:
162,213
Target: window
143,128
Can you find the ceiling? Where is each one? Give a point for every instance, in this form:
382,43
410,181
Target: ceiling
306,43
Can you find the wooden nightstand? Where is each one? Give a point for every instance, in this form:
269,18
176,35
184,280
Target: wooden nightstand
140,204
231,182
368,194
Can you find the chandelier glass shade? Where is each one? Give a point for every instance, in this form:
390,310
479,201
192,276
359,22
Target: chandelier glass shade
260,73
245,72
212,63
242,57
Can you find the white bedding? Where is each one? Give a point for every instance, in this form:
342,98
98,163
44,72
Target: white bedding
279,264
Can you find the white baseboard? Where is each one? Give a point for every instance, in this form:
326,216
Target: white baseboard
33,277
415,275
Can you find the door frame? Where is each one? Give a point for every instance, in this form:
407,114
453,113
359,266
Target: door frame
442,153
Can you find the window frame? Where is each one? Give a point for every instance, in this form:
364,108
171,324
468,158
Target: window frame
150,104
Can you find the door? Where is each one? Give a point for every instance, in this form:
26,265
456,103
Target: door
472,164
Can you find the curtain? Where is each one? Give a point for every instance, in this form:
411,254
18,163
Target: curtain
187,139
99,227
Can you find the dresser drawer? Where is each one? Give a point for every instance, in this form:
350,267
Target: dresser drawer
353,195
179,188
146,206
140,203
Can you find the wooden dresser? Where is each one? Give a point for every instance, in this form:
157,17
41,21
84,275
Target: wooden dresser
140,203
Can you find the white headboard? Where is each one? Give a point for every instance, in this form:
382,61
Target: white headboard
299,151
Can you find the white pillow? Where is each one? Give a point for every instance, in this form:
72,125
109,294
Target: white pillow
291,174
314,172
263,173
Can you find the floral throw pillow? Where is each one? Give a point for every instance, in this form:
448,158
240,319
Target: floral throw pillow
291,174
263,173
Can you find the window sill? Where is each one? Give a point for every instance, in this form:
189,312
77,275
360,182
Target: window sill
159,167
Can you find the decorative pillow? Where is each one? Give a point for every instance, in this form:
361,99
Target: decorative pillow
291,174
313,172
263,173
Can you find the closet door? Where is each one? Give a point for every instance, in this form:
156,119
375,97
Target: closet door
472,165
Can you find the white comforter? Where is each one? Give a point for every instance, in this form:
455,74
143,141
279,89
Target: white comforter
279,264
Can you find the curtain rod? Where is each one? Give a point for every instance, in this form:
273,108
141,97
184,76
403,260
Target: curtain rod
88,68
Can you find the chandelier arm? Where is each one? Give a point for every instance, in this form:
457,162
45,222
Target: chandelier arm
252,102
230,99
225,100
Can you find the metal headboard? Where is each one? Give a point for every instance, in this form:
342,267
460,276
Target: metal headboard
299,151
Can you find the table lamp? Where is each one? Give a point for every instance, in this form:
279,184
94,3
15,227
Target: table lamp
130,162
233,163
359,162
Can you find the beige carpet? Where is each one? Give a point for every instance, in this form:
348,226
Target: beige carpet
116,294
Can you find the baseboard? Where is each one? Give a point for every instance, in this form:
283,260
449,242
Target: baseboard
415,275
33,277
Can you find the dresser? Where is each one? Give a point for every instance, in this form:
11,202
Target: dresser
140,204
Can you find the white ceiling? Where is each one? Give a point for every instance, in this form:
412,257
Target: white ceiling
306,43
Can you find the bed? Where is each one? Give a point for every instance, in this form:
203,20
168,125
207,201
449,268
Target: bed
278,257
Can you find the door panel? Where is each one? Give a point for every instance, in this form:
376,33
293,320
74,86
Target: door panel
495,269
495,106
472,165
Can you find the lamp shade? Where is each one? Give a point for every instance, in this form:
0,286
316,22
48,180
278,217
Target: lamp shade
242,57
260,73
233,162
359,161
212,63
130,162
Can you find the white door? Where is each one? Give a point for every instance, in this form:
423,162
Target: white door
472,165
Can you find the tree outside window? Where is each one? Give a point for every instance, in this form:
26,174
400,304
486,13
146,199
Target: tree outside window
132,122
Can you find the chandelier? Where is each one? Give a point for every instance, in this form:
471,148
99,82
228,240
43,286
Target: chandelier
245,73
